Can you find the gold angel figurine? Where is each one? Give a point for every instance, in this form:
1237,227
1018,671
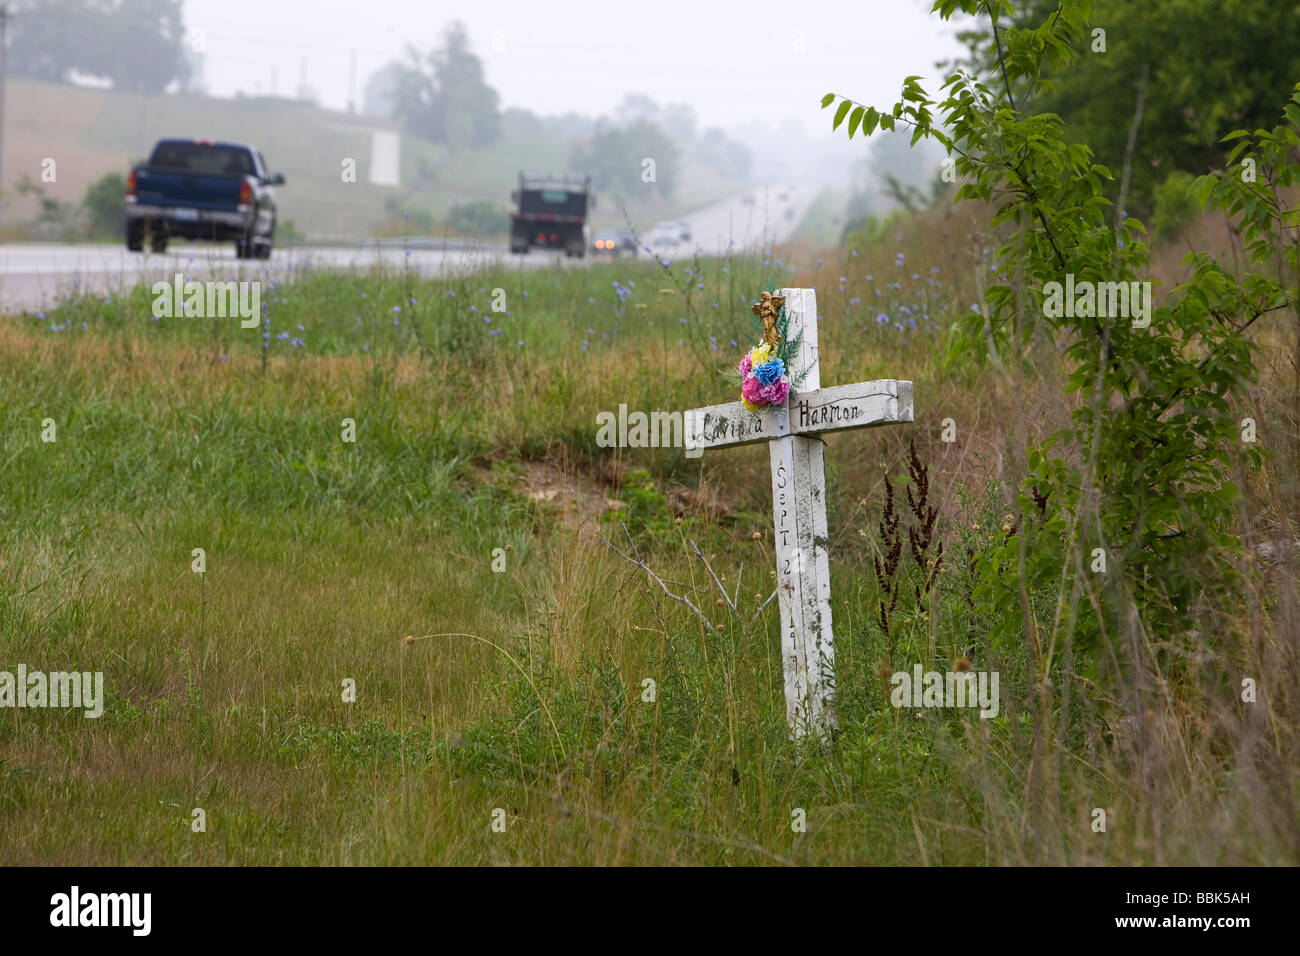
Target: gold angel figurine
766,309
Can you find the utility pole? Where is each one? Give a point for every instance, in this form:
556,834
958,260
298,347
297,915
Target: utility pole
352,82
4,37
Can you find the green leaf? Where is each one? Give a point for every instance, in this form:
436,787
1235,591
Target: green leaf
827,100
841,113
854,119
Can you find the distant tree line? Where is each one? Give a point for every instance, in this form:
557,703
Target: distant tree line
643,145
136,45
442,96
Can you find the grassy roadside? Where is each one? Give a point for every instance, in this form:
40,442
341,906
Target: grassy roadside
521,691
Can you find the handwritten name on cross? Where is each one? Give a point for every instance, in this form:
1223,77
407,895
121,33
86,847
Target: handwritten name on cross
799,503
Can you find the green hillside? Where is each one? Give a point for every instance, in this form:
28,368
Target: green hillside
92,132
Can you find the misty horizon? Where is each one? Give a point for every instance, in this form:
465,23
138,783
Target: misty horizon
583,59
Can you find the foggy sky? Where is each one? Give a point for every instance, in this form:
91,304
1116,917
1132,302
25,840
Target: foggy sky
735,63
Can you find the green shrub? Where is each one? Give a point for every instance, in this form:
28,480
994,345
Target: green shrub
1176,204
105,206
479,218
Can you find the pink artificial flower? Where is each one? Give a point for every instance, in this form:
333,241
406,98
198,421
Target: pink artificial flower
776,393
745,366
751,391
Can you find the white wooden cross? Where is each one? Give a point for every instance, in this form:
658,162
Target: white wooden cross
799,502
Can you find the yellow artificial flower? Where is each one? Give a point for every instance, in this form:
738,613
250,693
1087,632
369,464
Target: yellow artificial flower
749,406
760,355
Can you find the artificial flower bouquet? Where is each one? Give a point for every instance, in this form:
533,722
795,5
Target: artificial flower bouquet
765,369
763,378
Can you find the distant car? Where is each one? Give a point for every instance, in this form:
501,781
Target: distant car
684,231
202,189
665,234
747,200
616,242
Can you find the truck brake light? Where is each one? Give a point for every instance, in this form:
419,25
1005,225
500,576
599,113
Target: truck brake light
245,194
130,186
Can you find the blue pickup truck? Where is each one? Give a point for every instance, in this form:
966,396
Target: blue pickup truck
202,189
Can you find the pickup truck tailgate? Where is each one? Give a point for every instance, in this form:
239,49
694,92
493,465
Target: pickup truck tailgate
156,187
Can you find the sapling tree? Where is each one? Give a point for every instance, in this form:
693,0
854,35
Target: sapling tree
1140,474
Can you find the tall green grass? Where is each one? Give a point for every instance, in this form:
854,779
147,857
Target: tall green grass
521,691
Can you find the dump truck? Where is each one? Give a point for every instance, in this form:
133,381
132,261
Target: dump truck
551,213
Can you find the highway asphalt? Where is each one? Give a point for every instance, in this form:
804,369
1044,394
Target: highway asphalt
34,275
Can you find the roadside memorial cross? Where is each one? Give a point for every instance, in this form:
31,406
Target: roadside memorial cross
792,432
